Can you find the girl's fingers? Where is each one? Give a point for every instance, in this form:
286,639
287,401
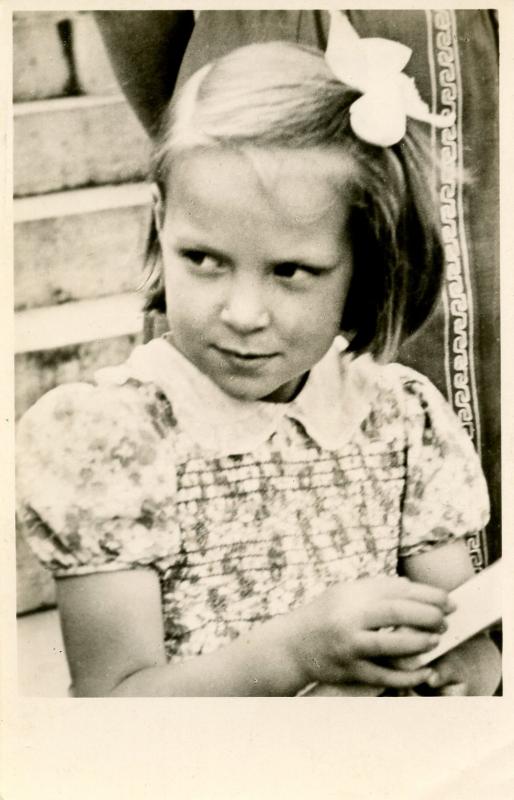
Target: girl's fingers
454,690
446,679
376,675
405,612
399,642
424,593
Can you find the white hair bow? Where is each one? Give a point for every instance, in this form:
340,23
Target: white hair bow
374,67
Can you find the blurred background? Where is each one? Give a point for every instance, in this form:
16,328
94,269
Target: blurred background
81,216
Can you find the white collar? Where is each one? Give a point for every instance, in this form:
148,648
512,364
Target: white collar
335,399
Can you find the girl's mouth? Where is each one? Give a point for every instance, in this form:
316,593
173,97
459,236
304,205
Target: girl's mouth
244,357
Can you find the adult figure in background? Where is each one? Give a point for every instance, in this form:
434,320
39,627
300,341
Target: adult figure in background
455,64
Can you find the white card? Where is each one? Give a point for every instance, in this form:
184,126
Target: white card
478,605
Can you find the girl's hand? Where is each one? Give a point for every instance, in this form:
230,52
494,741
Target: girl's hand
338,637
473,668
449,678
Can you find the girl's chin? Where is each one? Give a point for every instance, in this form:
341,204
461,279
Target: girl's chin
249,392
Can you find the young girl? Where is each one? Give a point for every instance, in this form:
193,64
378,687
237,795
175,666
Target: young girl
227,512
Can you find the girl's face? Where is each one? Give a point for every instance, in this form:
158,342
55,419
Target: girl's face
256,268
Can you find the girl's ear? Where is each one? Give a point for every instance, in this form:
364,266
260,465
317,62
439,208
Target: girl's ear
158,207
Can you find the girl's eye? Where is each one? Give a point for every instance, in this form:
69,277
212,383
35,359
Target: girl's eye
204,261
290,270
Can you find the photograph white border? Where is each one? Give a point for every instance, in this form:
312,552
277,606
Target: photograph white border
205,749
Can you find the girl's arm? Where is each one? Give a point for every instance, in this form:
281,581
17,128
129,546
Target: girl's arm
114,638
113,633
146,50
473,668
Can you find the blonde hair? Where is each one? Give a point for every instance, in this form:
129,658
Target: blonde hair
280,95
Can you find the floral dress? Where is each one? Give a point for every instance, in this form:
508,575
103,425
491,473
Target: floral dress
245,510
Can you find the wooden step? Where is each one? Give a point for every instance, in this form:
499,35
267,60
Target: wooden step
76,323
77,141
80,244
40,66
57,53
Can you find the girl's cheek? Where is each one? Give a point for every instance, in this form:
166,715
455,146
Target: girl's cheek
177,282
191,300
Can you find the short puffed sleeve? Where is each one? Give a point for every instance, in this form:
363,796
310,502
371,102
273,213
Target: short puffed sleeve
446,494
96,480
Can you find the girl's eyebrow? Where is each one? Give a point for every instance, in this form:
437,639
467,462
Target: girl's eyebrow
326,264
196,243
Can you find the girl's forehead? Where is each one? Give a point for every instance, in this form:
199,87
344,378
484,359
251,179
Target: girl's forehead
300,182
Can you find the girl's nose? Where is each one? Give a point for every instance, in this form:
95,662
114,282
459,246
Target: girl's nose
244,310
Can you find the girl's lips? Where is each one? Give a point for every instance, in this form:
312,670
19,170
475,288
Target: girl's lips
245,363
243,356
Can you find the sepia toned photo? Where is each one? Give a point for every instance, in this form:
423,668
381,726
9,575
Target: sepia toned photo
257,353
